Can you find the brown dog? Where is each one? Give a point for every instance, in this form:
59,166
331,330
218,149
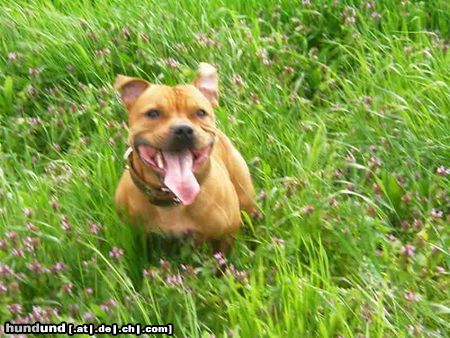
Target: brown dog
184,176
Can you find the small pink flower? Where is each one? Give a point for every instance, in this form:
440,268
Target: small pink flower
12,235
442,171
12,56
406,198
31,243
262,195
220,259
94,227
165,265
309,209
240,275
278,241
411,297
392,238
417,224
89,291
334,203
149,273
34,121
440,269
237,80
18,252
108,305
350,20
203,39
288,69
34,71
14,308
65,225
3,288
54,204
189,270
408,250
67,288
255,98
6,271
174,280
88,316
171,62
375,162
31,227
408,49
116,253
376,188
376,16
437,214
36,267
59,267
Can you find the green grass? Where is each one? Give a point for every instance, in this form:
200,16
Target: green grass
350,148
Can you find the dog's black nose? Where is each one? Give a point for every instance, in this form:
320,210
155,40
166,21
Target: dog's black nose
182,137
183,132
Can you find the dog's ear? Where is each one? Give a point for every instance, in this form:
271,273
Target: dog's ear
130,88
207,82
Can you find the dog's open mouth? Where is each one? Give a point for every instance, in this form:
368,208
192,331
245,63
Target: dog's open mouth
177,168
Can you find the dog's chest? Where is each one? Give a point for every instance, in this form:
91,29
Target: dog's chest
175,221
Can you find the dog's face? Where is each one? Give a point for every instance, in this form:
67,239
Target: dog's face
173,128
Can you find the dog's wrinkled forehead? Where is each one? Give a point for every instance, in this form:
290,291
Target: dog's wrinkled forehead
182,99
137,93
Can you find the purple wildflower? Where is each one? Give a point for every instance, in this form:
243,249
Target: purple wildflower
12,56
3,288
278,241
220,259
309,209
408,250
31,243
171,62
174,280
410,296
88,316
65,225
237,80
149,273
6,271
440,269
36,267
240,275
12,235
442,171
18,252
14,308
58,267
437,214
30,226
165,265
94,228
67,288
116,253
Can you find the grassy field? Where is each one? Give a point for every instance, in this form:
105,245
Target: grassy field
341,109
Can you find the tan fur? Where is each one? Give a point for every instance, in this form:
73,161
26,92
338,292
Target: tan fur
226,186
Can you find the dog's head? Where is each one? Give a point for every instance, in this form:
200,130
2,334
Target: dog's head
173,128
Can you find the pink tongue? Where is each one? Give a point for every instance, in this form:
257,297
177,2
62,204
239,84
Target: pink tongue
179,176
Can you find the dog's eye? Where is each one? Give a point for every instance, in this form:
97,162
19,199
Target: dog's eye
201,113
153,114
